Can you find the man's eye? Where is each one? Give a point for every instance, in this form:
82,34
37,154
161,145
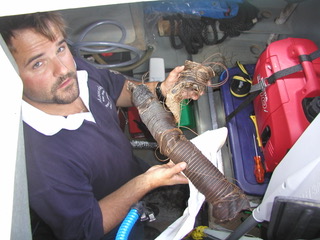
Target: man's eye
37,65
61,49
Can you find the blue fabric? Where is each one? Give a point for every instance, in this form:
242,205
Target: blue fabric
69,172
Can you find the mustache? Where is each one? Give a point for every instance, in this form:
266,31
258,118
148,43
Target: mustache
61,79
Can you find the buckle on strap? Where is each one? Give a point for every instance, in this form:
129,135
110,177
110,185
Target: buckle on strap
260,86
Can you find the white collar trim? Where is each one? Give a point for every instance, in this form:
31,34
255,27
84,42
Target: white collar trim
51,124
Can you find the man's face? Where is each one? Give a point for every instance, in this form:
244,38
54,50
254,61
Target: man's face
46,68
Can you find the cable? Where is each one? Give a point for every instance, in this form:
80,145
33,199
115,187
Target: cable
97,47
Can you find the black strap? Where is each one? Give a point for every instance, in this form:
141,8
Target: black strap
282,73
243,104
293,69
272,79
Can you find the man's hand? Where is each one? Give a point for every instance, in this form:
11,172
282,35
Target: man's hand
116,205
166,174
172,79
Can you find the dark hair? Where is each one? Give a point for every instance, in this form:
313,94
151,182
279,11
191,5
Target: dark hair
40,22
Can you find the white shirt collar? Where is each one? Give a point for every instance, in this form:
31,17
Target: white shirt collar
51,124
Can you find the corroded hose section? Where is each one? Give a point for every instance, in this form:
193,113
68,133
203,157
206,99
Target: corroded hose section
196,73
227,199
195,77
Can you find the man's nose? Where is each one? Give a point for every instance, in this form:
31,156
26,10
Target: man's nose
59,67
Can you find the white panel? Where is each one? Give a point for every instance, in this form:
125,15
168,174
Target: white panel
10,103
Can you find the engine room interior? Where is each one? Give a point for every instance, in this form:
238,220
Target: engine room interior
256,120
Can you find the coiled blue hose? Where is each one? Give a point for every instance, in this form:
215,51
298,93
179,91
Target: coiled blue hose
95,46
127,224
96,24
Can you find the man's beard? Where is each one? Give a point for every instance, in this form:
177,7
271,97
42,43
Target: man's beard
68,94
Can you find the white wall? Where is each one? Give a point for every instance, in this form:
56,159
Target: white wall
10,102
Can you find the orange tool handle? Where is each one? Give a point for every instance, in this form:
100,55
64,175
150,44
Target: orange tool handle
258,170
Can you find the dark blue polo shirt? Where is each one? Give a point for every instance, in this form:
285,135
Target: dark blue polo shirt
71,167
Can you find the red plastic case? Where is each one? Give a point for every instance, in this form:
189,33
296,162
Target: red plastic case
279,109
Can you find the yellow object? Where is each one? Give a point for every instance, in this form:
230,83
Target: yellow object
254,120
198,233
242,68
241,84
240,90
